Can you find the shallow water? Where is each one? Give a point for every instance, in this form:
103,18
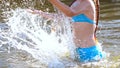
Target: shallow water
26,47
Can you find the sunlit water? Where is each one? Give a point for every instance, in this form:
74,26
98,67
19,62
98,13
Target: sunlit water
31,41
45,40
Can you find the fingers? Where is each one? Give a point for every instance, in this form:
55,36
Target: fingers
33,11
30,11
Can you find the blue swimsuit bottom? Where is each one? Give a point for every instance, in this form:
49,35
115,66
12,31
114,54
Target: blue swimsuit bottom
90,54
82,18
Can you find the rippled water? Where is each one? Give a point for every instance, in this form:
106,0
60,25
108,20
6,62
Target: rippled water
109,33
20,48
110,25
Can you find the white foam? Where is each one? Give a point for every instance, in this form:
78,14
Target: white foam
29,32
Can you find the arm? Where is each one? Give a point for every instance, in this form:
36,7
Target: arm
51,16
64,8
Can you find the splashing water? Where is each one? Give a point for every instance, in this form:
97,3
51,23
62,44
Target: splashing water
49,41
35,35
31,41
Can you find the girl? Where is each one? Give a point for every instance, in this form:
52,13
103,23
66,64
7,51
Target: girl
83,14
84,25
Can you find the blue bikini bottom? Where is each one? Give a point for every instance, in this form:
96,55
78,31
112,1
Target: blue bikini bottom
90,54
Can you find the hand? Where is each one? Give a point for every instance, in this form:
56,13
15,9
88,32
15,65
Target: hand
52,0
34,11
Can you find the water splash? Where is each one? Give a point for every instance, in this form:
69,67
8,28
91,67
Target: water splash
49,41
26,35
35,35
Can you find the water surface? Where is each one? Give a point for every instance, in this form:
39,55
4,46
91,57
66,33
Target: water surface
26,52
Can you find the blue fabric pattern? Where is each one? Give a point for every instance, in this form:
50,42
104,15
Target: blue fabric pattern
82,18
90,54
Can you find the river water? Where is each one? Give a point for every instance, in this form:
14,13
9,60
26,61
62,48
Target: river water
31,41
